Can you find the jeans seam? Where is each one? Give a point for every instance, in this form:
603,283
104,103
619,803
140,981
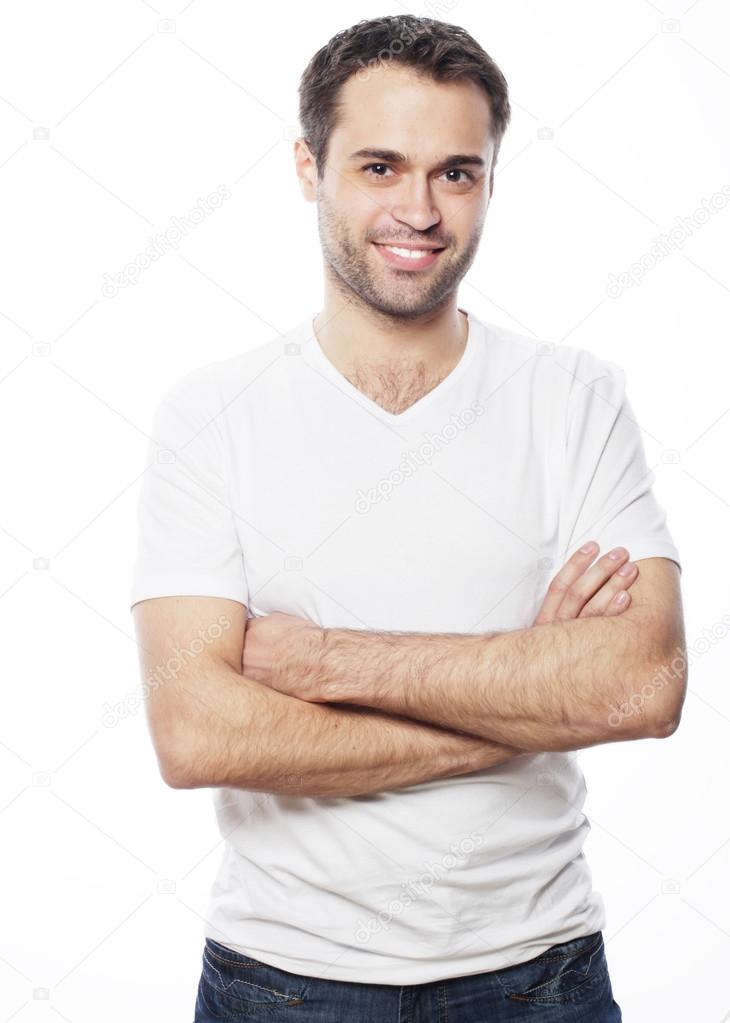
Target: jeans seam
568,955
233,962
536,989
226,988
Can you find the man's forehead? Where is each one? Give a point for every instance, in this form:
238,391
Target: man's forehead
371,116
379,85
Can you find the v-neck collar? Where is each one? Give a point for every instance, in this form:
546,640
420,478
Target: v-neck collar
322,363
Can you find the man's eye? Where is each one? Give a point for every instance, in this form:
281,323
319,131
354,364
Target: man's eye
458,170
451,170
371,165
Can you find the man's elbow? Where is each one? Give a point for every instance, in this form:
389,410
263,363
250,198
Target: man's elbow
179,767
667,727
176,775
660,698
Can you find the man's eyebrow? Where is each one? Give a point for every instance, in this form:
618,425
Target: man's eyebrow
392,156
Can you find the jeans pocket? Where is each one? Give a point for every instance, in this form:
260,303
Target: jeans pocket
235,986
572,971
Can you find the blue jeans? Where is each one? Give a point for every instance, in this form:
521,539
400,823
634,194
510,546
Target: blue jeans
568,982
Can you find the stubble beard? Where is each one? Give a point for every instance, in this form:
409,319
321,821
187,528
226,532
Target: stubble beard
397,294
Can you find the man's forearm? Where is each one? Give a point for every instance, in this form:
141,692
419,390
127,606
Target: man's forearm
548,687
237,732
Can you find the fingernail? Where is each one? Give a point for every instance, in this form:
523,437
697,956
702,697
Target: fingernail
626,569
620,598
616,553
588,548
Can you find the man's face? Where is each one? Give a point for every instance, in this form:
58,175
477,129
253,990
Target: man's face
366,200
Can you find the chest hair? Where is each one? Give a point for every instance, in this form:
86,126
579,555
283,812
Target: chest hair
394,385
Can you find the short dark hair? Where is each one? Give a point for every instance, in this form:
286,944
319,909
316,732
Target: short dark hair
434,48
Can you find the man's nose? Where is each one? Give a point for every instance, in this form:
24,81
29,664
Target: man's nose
414,205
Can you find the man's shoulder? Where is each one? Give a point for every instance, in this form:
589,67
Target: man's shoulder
554,366
523,345
217,382
585,365
244,367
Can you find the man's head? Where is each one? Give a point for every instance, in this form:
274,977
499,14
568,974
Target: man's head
417,93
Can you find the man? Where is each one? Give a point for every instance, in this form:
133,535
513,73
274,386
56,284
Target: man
387,490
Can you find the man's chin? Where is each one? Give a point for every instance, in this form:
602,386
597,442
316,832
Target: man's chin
397,308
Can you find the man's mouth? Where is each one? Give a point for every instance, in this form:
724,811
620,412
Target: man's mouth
406,257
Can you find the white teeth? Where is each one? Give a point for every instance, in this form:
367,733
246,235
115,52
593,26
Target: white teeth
409,253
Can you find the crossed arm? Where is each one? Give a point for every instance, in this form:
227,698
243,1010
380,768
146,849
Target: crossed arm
559,686
213,726
213,723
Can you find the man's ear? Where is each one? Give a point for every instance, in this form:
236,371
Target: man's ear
306,169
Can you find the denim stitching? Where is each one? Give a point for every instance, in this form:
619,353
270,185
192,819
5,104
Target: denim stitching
533,990
233,962
594,948
568,955
443,999
225,988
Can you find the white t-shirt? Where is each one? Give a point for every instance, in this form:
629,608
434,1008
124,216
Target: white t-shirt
292,491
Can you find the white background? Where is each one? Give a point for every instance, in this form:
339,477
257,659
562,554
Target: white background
113,122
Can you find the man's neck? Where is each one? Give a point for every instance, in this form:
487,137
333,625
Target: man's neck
350,337
394,363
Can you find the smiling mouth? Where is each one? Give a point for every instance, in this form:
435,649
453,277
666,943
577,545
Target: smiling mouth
404,257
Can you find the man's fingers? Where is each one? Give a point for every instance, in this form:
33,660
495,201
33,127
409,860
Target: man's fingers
607,572
584,590
609,604
573,568
604,602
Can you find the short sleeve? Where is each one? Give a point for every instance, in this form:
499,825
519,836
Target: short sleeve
187,542
607,491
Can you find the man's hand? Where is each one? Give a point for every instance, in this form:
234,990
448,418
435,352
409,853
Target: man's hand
280,650
578,591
